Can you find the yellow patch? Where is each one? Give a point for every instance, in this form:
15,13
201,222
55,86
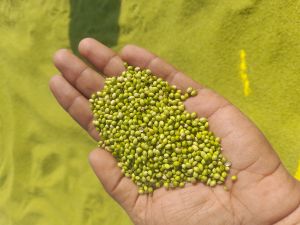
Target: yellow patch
297,174
243,73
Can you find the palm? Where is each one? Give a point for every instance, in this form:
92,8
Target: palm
259,196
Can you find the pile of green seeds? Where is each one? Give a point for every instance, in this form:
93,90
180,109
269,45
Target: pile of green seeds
142,121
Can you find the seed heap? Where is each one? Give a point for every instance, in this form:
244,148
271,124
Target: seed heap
142,121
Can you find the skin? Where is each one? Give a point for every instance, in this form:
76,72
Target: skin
265,193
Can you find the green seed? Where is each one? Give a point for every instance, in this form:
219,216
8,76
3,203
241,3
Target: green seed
176,163
216,176
167,166
189,90
193,115
194,93
234,178
212,183
224,174
166,185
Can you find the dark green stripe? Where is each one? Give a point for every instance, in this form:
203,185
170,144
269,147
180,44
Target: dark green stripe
94,18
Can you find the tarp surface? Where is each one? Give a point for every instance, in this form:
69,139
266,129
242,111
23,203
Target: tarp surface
44,174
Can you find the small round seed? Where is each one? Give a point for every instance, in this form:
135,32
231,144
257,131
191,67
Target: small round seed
234,178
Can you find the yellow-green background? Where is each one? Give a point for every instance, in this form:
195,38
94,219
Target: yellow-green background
44,174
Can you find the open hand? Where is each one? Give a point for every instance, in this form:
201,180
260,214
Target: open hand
264,194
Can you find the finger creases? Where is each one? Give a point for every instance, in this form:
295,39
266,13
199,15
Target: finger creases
77,73
138,56
104,58
115,183
74,103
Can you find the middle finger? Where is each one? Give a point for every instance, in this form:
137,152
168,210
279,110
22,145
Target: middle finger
77,73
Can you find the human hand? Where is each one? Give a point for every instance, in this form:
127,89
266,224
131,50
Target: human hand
264,194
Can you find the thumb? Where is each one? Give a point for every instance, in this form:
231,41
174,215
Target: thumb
121,188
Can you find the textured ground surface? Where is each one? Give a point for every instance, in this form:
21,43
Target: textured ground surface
44,174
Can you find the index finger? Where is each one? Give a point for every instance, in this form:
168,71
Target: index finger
138,56
103,58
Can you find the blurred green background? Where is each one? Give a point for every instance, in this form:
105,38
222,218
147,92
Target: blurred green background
44,174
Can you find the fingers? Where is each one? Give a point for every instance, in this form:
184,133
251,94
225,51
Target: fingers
105,59
206,103
74,103
137,56
77,73
122,189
